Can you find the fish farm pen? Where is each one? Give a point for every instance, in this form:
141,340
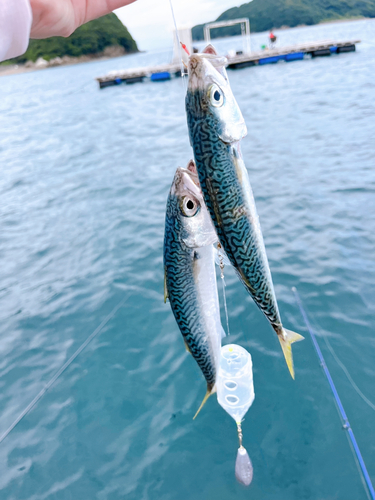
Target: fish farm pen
240,60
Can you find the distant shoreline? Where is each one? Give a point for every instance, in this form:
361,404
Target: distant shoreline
334,21
15,69
281,28
348,20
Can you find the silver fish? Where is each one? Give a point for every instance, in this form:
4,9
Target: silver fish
216,127
190,276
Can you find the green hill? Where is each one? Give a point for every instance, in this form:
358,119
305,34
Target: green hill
268,14
91,38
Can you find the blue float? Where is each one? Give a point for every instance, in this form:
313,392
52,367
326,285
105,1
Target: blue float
333,50
270,60
160,77
294,56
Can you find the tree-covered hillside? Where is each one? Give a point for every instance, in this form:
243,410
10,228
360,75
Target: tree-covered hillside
267,14
91,38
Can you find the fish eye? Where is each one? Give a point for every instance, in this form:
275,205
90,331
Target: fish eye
216,96
189,206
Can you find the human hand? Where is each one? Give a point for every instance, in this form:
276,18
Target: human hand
62,17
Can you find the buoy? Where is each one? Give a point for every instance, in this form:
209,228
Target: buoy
160,77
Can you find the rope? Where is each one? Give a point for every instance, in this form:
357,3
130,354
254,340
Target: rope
340,407
39,396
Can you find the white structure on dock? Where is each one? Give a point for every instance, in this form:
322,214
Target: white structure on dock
245,31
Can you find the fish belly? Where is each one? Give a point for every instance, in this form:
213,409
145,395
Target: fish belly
192,298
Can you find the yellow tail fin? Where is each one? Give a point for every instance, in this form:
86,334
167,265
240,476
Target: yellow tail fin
208,394
286,341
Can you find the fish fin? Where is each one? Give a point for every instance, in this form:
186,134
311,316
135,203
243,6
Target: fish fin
286,340
221,255
166,295
187,347
208,394
210,49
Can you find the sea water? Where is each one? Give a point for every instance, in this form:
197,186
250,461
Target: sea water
84,180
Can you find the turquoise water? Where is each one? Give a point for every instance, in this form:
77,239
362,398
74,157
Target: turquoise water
83,185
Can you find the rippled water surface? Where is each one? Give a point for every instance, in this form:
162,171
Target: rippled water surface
83,185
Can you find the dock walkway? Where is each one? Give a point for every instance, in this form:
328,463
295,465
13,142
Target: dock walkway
241,60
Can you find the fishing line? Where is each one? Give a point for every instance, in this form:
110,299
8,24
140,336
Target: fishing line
37,398
221,260
341,365
225,301
182,70
346,424
344,369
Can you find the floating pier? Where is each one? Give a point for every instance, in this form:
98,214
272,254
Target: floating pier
154,73
291,53
240,60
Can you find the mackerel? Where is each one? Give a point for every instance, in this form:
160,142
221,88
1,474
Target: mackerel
190,276
216,127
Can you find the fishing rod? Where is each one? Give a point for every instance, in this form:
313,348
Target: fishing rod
346,424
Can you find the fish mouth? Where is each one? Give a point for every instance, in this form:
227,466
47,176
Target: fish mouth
186,180
197,60
201,66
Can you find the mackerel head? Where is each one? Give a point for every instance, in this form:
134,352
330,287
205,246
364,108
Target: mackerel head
210,98
216,127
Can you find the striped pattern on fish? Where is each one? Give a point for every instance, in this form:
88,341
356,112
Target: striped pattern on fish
222,175
216,127
190,275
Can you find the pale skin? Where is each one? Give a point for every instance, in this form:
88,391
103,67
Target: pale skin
62,17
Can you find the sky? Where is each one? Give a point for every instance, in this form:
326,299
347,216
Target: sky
150,22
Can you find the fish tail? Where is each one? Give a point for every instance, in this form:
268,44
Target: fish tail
286,338
210,390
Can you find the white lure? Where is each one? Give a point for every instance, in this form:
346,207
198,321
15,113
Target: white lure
235,393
